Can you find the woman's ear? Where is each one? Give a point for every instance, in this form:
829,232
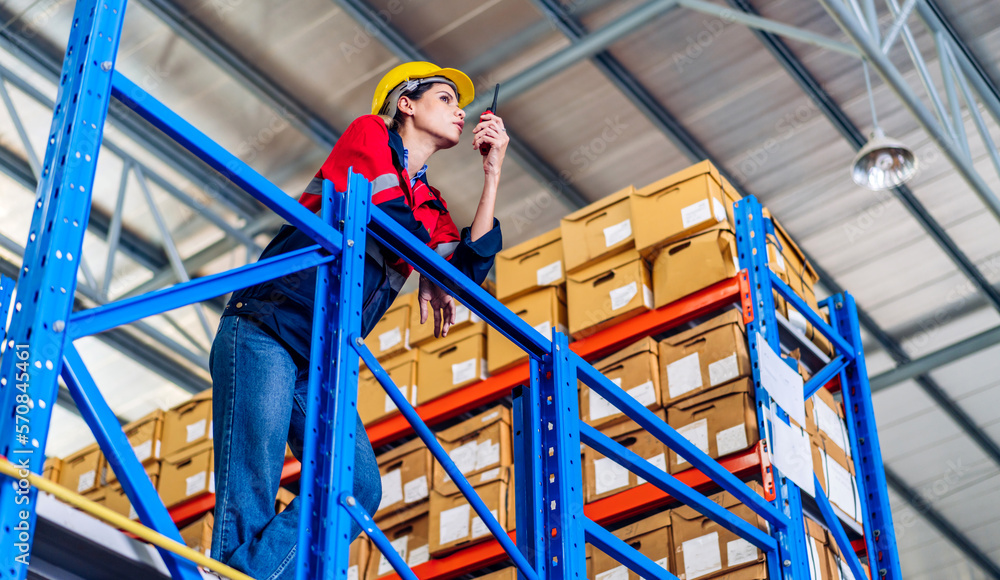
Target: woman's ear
405,104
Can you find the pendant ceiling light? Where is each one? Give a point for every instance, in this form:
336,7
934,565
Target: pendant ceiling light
883,163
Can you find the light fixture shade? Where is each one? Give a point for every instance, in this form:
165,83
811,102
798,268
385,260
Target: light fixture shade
883,163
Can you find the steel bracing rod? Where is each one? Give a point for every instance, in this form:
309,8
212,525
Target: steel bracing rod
624,553
897,25
674,487
936,359
970,102
677,442
429,439
47,59
895,80
833,524
941,524
29,150
166,120
241,70
524,155
951,91
811,315
368,525
115,232
824,376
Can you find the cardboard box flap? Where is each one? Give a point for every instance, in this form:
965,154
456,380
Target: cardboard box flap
81,454
594,272
404,515
404,449
644,346
191,403
703,168
725,500
523,250
185,454
739,386
645,526
731,316
619,429
600,204
480,421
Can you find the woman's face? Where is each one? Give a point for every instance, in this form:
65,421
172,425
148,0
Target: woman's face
437,114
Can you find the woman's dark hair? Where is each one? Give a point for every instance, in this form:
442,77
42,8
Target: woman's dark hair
416,94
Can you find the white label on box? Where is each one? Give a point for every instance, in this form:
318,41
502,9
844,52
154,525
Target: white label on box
463,371
782,383
779,260
644,394
479,526
482,369
697,434
392,488
210,431
600,407
662,563
132,514
701,556
462,312
352,572
647,296
610,475
720,210
740,551
730,440
696,213
723,370
620,297
454,524
828,421
619,573
196,430
839,486
549,274
144,450
617,233
157,450
400,545
389,405
464,456
390,338
487,453
797,320
684,376
544,329
815,571
195,483
489,474
415,489
490,417
659,461
418,556
86,481
792,454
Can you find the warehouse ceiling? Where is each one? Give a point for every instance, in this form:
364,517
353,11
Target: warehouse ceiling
277,82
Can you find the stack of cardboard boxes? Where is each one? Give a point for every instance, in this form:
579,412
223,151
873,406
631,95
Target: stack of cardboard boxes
826,561
831,450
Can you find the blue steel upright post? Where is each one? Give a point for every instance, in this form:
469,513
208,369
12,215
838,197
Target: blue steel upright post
752,249
47,282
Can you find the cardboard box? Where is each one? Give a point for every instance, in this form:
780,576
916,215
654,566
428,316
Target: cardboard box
635,369
145,436
81,470
704,549
599,230
451,362
410,534
835,472
825,417
608,292
706,356
693,264
357,559
52,468
187,474
391,335
188,424
453,522
719,421
505,574
528,266
789,261
819,553
98,496
650,536
603,477
198,534
681,205
373,402
544,309
118,501
478,447
283,500
406,477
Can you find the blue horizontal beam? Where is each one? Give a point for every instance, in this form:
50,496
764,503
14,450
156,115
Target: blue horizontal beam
427,262
101,318
824,375
178,129
811,315
383,544
441,455
678,443
619,550
673,486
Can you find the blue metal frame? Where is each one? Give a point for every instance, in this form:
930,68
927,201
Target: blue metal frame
528,477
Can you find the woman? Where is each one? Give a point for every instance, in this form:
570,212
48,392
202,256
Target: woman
259,357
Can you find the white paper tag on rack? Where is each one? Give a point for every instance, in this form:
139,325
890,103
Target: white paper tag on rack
829,422
781,382
792,454
454,524
620,297
731,440
609,475
617,233
549,274
684,375
415,489
723,370
392,488
701,556
390,338
697,434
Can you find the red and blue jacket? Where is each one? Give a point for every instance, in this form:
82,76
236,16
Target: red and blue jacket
284,306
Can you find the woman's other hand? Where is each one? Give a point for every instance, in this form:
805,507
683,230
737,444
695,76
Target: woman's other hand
441,303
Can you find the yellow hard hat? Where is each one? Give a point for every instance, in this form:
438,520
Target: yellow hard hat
415,71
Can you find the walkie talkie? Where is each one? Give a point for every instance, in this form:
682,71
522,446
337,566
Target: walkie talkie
484,149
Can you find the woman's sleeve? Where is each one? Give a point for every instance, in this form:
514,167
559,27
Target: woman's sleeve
472,258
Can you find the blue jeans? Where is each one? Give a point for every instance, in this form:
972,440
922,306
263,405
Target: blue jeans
259,403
